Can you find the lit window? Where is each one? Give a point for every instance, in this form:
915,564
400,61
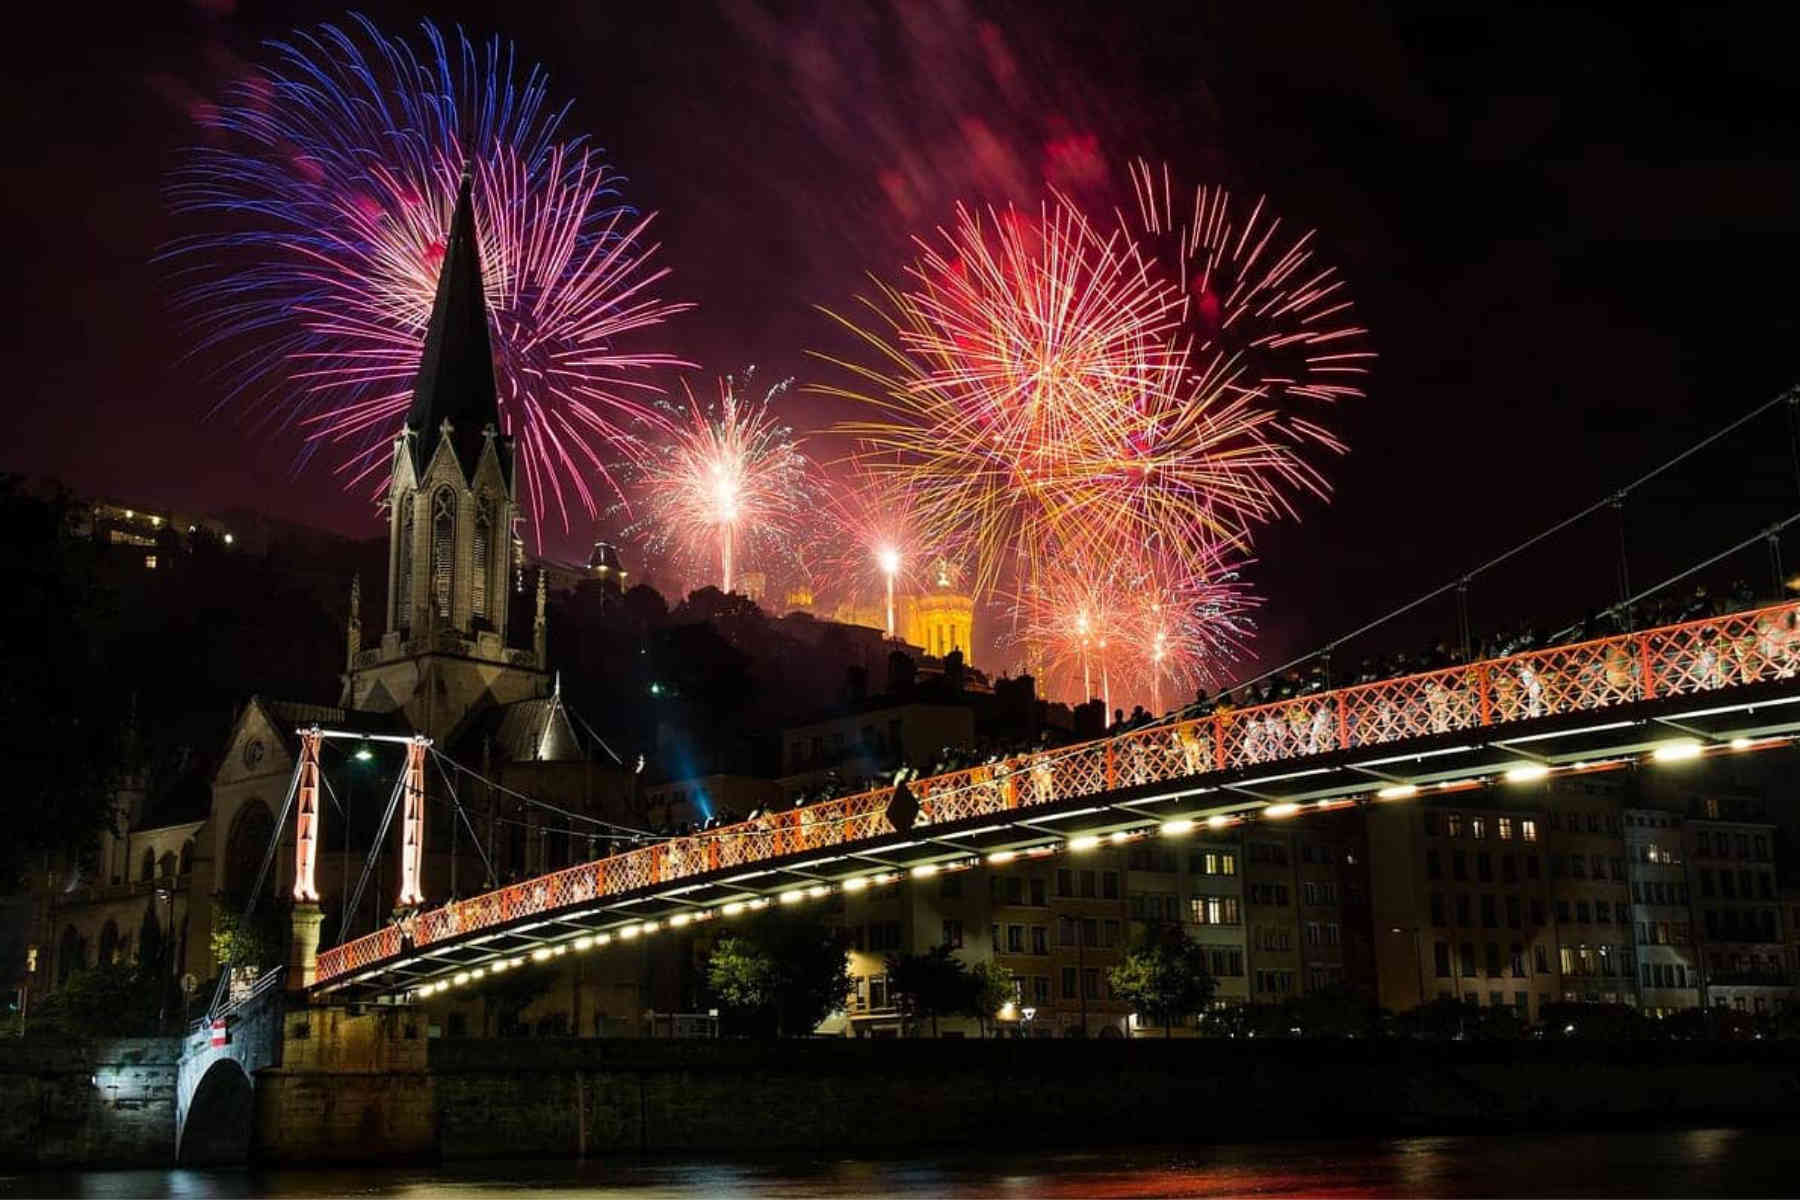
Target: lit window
149,562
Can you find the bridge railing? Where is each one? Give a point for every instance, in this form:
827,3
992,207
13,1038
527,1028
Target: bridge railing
1685,659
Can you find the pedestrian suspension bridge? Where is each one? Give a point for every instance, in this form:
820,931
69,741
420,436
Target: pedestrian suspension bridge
1720,685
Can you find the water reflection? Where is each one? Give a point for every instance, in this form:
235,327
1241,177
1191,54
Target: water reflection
1660,1163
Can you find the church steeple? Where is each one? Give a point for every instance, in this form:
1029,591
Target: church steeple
451,508
454,391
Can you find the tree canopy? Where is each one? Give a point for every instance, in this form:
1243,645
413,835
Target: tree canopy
781,975
1165,978
932,985
62,714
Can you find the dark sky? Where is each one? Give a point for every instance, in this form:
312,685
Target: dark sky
1572,235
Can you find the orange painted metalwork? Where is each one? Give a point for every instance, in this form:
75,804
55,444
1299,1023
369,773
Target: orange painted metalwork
306,819
412,828
1674,660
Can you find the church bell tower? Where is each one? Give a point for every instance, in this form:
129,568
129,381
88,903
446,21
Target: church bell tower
451,506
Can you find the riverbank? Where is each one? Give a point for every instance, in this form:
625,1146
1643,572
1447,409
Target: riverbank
596,1098
113,1104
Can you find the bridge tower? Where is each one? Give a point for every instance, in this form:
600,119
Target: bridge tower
451,510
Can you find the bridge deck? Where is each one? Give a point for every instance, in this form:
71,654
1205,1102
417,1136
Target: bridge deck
1535,707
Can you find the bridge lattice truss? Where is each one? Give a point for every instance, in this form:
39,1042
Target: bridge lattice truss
1668,662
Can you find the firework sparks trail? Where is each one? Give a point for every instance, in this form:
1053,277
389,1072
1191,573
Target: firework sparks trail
728,485
332,176
1264,317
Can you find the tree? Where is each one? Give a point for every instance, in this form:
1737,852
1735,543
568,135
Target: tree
109,1000
785,972
1335,1011
1165,978
62,713
992,987
1444,1017
933,984
742,977
258,940
1594,1022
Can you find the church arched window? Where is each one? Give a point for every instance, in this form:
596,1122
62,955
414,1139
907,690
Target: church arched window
403,568
443,548
484,543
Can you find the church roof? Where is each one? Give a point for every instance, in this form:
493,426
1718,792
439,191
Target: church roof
456,370
532,730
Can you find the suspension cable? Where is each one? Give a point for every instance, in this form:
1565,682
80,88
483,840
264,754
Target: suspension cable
1768,531
375,848
223,988
545,804
455,800
600,741
1789,396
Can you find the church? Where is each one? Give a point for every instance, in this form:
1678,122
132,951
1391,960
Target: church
515,783
442,666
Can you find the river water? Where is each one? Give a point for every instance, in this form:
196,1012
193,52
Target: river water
1684,1162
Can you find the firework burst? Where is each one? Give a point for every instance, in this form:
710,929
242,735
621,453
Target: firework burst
1133,626
332,176
727,490
1029,387
1265,318
1015,338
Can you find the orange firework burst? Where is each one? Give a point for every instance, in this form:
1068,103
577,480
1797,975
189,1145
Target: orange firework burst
730,487
1030,388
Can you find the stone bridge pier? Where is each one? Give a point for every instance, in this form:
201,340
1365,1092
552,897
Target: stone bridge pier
215,1102
293,1082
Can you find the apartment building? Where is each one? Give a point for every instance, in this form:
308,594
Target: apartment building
1591,891
1743,942
1662,917
1461,905
1199,885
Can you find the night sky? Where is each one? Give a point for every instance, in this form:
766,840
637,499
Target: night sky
1573,237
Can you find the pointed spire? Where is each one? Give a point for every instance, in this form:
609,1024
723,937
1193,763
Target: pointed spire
454,392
